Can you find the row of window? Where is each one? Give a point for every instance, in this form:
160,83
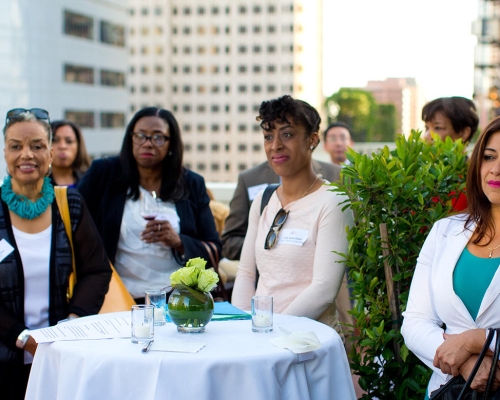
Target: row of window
242,49
241,9
201,128
215,147
271,88
83,26
86,119
201,166
215,69
81,74
215,30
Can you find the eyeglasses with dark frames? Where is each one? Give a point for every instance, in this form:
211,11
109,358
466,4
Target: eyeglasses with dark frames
157,139
278,222
39,113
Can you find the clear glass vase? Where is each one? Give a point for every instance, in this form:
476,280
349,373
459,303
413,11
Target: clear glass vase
190,309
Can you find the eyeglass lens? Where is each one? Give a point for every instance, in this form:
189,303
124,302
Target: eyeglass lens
141,138
278,222
39,113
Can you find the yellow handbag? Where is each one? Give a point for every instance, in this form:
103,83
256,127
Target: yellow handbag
118,298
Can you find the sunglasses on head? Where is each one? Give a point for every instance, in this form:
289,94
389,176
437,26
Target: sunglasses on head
278,222
39,113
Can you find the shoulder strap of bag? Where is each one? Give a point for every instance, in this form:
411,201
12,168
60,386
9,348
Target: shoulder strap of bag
491,376
61,194
480,359
268,192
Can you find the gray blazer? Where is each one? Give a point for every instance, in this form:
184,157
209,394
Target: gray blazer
236,224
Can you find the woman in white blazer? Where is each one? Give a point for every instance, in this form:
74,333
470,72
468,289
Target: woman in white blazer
455,291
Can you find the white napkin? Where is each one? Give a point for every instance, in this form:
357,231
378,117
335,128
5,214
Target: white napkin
178,346
298,342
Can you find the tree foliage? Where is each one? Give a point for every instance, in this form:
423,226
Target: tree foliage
408,189
368,120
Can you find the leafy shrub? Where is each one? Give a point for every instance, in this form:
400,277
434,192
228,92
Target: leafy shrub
408,190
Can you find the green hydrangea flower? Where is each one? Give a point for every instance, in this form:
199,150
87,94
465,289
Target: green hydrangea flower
207,280
198,263
187,276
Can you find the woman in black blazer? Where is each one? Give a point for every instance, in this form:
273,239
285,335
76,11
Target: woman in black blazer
146,252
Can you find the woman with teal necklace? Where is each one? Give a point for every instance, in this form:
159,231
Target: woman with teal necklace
455,291
35,252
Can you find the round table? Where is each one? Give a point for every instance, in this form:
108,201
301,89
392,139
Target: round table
236,363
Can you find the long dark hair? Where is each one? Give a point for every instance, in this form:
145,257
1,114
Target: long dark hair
172,187
82,160
479,207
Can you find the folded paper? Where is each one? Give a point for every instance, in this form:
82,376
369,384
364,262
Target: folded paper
297,342
178,346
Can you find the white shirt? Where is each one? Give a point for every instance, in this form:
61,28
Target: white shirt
141,265
34,249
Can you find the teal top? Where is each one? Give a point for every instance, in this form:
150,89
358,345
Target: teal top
471,278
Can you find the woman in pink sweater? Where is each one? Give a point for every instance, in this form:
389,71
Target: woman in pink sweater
292,243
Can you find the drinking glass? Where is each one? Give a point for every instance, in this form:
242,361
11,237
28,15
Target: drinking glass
158,299
262,314
149,206
142,323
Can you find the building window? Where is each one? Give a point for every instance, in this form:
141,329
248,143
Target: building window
242,49
271,28
215,108
201,10
257,9
186,128
132,89
242,147
215,147
144,89
113,34
256,88
215,10
271,68
158,30
186,69
256,49
228,167
256,29
200,147
112,78
201,50
242,128
144,11
271,48
201,108
214,69
215,166
242,69
201,89
144,50
186,30
256,69
200,128
271,9
256,128
242,9
174,89
186,108
159,49
242,88
215,127
84,119
75,73
201,166
271,88
186,11
242,29
255,108
228,108
78,25
158,89
214,30
201,69
201,30
215,89
187,147
242,167
112,120
158,11
242,108
186,89
227,147
186,50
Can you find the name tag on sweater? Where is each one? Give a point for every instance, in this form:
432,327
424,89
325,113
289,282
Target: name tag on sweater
5,249
297,237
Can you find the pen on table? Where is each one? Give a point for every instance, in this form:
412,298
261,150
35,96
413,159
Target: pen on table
146,348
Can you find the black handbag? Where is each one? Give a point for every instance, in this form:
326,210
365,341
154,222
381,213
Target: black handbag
458,389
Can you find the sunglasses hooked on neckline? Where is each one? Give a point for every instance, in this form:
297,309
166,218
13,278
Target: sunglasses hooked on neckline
39,113
278,222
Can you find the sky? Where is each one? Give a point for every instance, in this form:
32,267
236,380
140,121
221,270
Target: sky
429,40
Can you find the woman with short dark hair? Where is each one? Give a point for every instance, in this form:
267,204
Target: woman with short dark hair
451,116
71,160
293,245
455,291
149,167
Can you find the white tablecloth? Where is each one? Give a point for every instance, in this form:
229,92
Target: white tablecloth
236,364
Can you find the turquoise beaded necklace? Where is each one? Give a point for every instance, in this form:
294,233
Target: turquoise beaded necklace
24,207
